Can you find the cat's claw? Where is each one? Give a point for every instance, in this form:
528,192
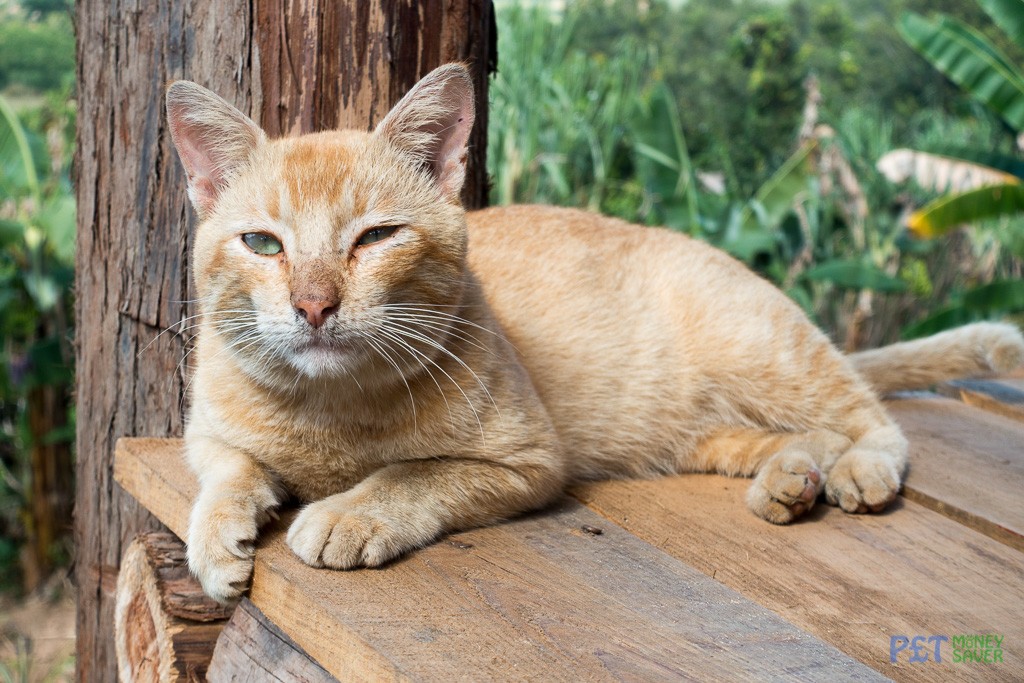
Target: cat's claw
863,481
785,488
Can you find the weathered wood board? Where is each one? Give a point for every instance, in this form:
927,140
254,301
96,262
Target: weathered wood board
251,648
537,598
965,463
853,580
1003,396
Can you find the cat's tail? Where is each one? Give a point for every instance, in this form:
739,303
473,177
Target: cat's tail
970,351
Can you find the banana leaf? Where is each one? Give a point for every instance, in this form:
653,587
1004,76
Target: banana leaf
856,275
17,166
56,217
1008,15
777,195
967,58
940,173
753,229
946,213
1011,165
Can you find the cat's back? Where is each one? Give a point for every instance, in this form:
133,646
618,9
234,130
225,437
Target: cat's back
626,330
571,242
588,266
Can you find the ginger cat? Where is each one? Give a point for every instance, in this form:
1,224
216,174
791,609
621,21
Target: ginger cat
407,369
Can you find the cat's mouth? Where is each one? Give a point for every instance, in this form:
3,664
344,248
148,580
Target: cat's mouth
322,343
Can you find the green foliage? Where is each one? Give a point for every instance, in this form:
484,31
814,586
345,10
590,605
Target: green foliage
45,7
37,226
37,237
37,54
986,68
856,275
556,94
970,61
946,213
993,300
736,69
688,116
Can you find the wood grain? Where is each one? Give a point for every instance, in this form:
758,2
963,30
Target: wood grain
965,463
538,598
165,627
852,580
295,66
252,648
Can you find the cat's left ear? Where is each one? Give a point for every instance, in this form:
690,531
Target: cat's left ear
432,123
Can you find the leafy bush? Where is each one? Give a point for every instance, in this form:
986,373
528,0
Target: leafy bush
37,54
587,110
37,237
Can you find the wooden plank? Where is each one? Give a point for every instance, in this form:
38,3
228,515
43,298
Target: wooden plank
966,463
1003,396
538,598
852,580
252,648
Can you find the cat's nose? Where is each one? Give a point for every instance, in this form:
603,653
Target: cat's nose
315,311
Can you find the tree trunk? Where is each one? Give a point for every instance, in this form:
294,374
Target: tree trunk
49,501
296,66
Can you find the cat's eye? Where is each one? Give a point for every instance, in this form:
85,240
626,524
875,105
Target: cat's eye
262,243
376,235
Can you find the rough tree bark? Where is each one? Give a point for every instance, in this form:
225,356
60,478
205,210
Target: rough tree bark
295,66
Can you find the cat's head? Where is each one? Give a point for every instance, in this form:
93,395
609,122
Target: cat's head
311,249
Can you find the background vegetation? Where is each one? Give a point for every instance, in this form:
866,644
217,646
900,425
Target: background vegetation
37,236
757,125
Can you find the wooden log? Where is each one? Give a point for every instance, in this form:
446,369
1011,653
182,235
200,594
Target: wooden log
165,628
543,597
295,66
252,648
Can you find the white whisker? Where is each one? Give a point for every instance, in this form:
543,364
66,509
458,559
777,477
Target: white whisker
397,339
415,357
410,334
383,354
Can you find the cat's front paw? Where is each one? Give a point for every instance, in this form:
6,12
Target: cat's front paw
221,542
342,532
785,488
863,481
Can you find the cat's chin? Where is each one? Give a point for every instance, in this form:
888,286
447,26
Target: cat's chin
321,361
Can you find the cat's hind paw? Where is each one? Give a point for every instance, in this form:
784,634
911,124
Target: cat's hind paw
863,481
785,488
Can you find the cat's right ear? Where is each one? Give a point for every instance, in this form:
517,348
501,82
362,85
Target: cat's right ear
213,139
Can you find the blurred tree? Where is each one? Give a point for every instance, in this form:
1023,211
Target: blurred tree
37,54
44,7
